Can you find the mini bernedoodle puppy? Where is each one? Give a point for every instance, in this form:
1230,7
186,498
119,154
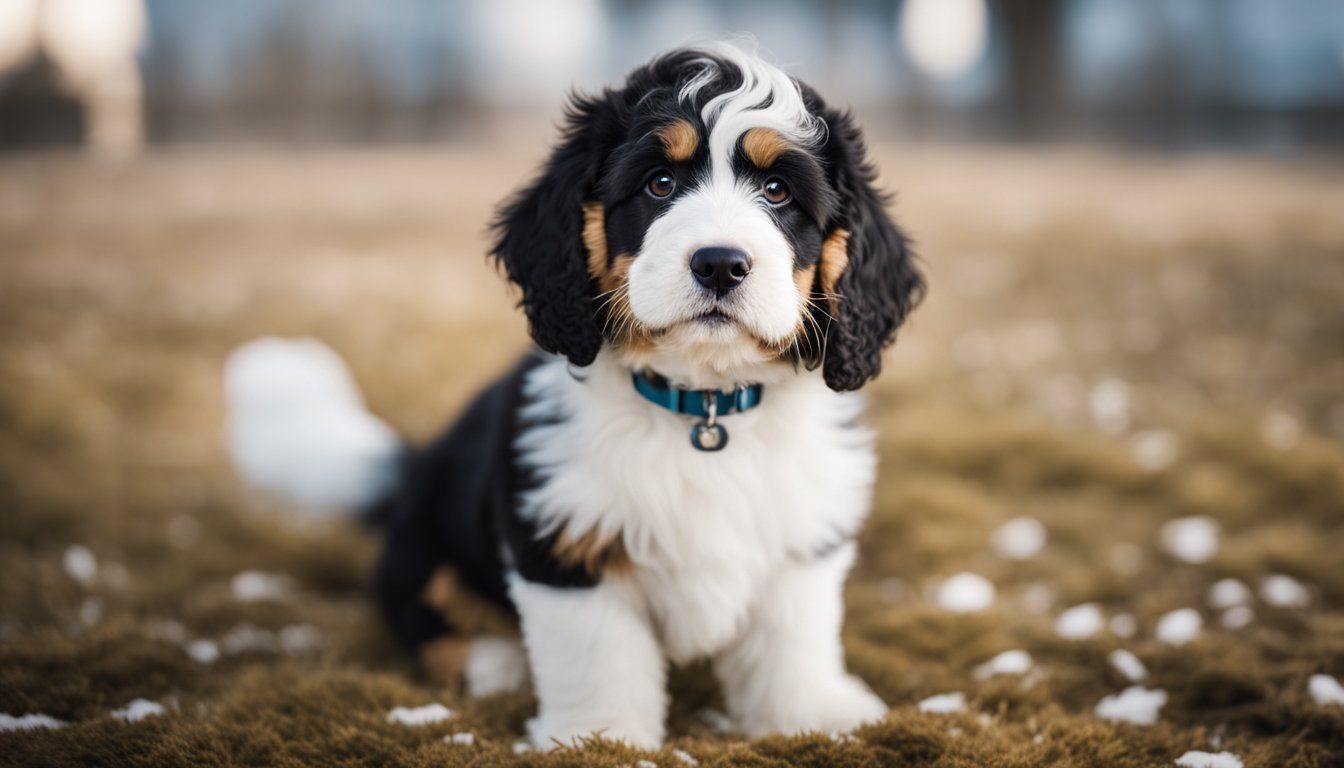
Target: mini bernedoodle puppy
710,273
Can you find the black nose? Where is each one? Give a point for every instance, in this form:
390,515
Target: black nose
720,269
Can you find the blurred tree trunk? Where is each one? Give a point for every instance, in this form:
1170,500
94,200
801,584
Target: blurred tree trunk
1031,30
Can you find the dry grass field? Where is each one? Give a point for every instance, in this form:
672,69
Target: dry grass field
1110,342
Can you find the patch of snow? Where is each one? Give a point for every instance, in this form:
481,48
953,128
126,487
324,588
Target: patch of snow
1155,449
1080,622
1325,689
1191,539
297,639
203,651
1038,598
80,564
1109,403
253,586
1226,593
1280,430
29,722
717,721
965,593
138,710
944,703
522,747
1179,627
1284,591
1237,617
465,739
1129,665
1021,538
1123,625
685,757
1014,662
249,637
1197,759
1135,704
645,764
429,713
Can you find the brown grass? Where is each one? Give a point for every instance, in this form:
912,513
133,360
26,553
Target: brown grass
1213,288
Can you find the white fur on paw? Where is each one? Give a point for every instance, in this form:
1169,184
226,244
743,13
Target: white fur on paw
496,665
551,733
844,707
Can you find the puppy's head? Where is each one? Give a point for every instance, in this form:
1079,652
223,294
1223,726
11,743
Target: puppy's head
715,212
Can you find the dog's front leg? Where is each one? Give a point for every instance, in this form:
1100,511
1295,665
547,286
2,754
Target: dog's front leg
786,673
596,664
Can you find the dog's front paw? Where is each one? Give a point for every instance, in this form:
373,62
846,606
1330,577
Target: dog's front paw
549,733
837,707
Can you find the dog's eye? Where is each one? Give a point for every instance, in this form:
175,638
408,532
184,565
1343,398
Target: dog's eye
776,192
661,184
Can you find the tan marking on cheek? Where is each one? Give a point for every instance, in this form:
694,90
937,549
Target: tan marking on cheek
595,238
680,140
834,259
463,610
803,278
597,555
624,329
763,146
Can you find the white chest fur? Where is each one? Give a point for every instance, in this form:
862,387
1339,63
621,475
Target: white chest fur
705,531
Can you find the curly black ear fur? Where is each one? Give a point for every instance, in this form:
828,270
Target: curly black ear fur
539,233
879,284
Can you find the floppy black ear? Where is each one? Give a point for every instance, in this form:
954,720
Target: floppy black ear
539,233
866,264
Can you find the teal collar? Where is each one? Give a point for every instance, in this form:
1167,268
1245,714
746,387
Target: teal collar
707,404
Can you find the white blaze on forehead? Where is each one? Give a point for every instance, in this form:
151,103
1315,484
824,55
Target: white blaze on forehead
766,98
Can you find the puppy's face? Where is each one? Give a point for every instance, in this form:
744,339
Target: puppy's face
711,213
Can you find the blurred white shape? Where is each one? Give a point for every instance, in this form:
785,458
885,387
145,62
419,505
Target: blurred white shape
80,564
1325,689
298,427
521,747
1080,622
245,637
1155,449
532,50
464,739
1197,759
94,44
685,757
945,38
1021,538
1014,662
944,703
253,586
1237,617
1280,430
1179,627
1123,625
429,713
1284,591
90,611
138,710
1109,403
1226,593
29,722
18,32
297,639
965,593
1191,539
1128,665
203,651
1135,704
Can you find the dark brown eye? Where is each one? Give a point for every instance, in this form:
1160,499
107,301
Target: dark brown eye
661,184
776,192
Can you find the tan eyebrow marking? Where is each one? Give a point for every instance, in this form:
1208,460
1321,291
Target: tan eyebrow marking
680,140
763,146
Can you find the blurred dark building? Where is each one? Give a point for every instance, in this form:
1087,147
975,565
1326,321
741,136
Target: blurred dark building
1256,74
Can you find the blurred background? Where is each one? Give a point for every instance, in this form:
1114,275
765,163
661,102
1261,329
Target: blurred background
1186,74
1116,425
